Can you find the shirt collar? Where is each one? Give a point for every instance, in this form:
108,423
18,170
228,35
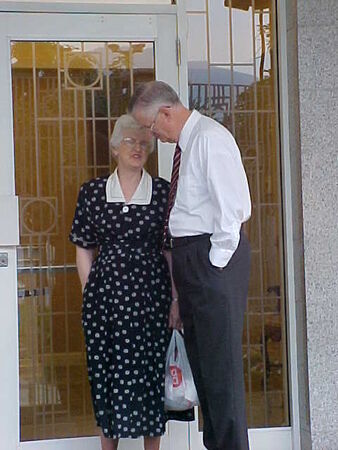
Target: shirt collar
187,129
142,195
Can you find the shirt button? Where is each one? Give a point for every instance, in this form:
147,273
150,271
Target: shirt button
125,209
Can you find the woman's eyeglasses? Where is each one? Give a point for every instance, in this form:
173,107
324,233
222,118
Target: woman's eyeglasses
132,142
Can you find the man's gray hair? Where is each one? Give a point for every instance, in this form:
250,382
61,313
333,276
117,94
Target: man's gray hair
152,95
123,123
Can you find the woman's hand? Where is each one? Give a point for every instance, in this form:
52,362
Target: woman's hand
174,316
84,261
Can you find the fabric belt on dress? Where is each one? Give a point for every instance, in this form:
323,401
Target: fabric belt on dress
185,240
128,248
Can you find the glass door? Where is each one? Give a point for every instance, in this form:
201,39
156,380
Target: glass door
233,78
70,81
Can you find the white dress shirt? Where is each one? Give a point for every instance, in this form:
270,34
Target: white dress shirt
212,193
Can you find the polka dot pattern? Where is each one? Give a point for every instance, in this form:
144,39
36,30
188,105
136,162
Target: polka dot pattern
125,309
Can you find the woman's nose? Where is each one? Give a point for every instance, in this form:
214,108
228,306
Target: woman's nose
137,146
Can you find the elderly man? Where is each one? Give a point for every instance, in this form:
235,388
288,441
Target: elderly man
209,200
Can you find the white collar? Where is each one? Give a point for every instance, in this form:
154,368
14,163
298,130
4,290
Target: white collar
187,129
142,195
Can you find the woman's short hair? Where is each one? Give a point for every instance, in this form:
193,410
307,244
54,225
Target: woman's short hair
126,122
152,96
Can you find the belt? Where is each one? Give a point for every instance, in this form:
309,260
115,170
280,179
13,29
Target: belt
185,240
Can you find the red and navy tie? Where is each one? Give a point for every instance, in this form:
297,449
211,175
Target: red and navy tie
173,190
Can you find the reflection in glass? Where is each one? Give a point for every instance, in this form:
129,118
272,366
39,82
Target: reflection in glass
234,81
246,134
241,34
220,49
197,37
195,5
263,40
66,97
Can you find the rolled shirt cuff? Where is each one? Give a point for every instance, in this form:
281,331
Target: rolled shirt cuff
220,257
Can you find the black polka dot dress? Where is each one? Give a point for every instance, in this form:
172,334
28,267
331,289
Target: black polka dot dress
126,304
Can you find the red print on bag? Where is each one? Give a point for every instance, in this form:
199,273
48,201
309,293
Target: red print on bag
176,375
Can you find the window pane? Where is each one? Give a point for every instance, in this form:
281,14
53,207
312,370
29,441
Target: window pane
237,87
219,21
66,97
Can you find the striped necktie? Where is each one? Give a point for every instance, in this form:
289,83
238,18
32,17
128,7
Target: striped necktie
173,189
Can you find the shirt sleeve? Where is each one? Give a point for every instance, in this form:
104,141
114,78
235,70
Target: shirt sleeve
229,194
83,231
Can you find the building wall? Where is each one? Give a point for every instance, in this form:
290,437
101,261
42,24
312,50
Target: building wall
318,107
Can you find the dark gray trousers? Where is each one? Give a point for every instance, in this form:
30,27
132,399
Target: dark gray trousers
212,305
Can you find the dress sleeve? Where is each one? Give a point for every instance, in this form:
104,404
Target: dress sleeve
83,231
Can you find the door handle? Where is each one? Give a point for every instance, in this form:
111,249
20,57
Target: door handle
24,293
3,259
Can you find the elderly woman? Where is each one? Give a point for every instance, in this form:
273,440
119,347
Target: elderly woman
127,295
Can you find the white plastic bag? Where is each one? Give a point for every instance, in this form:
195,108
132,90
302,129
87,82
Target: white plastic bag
180,390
